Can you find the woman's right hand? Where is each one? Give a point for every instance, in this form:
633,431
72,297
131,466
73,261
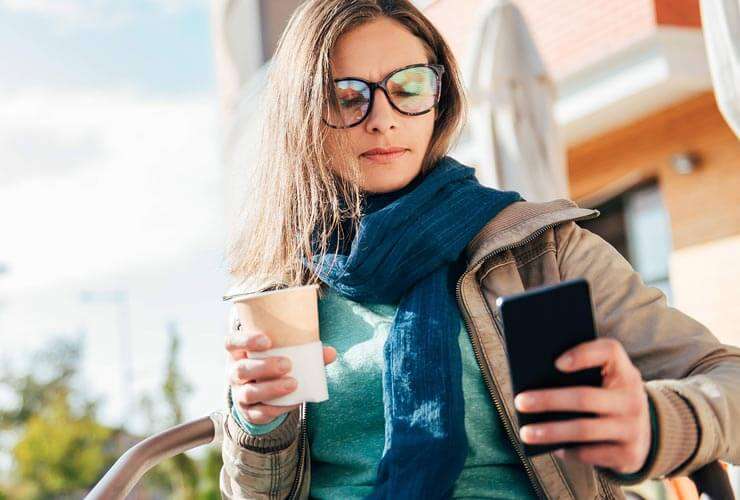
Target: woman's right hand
255,380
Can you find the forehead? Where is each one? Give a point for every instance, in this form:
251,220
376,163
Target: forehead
374,49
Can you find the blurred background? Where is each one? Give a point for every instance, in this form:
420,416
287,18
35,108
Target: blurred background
111,239
124,128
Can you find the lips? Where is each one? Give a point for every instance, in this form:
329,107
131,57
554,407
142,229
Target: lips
375,151
383,155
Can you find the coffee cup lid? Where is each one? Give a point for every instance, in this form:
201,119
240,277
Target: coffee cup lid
248,295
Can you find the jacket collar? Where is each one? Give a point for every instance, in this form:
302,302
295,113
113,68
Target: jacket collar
521,221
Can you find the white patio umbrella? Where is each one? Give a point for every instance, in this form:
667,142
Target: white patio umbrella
241,78
512,124
721,27
720,21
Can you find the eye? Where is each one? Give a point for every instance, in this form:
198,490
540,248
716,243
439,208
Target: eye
358,101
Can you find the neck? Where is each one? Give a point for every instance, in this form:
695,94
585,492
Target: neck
377,201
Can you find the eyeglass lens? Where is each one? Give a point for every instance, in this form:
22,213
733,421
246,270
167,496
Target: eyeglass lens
412,90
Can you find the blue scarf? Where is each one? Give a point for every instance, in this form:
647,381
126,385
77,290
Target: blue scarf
406,245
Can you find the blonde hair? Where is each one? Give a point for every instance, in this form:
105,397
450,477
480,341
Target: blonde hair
294,194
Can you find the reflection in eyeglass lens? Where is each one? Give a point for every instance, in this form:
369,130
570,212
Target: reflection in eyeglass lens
353,97
412,90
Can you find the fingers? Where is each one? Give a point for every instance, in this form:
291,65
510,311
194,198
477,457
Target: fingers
603,352
243,369
579,398
238,344
252,393
614,456
264,414
247,370
330,355
579,429
255,380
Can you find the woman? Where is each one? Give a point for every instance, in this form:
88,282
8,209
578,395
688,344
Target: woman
364,100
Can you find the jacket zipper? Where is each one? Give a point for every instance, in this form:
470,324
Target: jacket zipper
298,480
496,398
605,487
492,389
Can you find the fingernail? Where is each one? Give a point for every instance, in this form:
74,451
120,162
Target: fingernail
524,433
290,384
263,341
284,364
563,362
529,433
523,400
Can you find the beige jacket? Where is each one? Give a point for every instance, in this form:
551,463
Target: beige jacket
690,376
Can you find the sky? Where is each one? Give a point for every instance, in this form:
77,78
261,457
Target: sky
110,180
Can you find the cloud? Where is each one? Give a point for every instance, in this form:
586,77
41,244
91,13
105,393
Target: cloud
110,178
113,189
32,151
69,15
96,181
176,6
68,8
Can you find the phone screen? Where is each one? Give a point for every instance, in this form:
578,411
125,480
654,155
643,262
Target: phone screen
539,325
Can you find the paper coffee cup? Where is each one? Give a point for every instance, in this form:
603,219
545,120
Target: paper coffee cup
290,318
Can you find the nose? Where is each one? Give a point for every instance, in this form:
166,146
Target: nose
382,117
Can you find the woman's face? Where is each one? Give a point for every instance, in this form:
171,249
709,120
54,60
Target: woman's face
371,52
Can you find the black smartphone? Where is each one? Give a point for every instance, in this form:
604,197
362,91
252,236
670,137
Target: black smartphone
539,325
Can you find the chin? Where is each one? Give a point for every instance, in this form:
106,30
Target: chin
383,178
386,183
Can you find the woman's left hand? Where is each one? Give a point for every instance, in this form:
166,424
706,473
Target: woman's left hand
622,426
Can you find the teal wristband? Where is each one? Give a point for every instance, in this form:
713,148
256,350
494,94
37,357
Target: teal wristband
256,429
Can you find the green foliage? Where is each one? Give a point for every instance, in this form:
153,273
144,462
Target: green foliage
61,450
181,476
210,469
35,389
176,388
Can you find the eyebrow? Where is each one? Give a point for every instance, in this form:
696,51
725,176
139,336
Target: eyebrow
385,76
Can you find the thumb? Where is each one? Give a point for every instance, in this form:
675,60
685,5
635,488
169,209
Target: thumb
330,355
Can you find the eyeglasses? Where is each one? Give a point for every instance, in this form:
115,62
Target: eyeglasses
412,90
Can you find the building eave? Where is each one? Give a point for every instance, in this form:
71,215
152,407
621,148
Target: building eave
664,68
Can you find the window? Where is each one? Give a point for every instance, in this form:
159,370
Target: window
637,225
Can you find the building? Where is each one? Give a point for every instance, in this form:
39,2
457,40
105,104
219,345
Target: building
645,141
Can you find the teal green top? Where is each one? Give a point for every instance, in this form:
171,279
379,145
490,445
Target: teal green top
344,461
347,432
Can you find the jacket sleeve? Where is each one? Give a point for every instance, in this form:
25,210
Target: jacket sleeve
258,466
690,377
